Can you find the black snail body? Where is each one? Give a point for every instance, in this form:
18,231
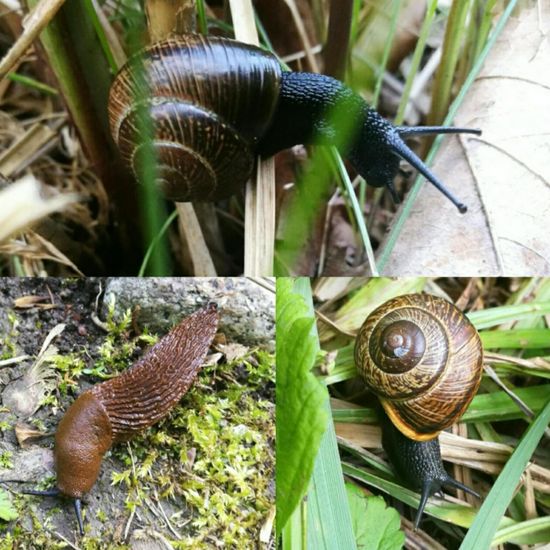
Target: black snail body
215,103
424,360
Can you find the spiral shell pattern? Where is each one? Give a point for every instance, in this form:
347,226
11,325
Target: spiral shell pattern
427,370
209,102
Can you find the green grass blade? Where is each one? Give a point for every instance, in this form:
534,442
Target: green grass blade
531,531
329,517
357,212
482,531
301,417
155,242
498,315
329,523
458,514
533,338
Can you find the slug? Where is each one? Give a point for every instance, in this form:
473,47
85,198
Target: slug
118,409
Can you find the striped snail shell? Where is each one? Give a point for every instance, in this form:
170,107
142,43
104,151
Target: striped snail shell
209,101
424,360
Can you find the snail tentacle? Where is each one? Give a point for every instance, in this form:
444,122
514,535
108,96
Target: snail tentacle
408,131
399,147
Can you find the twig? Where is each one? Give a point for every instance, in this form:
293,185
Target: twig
333,325
33,25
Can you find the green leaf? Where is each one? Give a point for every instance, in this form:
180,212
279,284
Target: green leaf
531,531
301,418
458,514
7,511
376,526
482,531
494,316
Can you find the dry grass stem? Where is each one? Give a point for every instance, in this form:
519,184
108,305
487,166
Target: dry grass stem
260,194
25,203
190,229
33,25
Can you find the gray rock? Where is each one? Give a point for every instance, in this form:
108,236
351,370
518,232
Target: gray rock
247,310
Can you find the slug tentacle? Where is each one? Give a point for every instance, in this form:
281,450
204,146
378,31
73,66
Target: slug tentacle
78,512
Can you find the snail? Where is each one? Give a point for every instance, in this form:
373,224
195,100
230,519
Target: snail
216,103
423,358
118,409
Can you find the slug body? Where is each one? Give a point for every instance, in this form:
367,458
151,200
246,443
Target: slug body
215,103
424,360
121,407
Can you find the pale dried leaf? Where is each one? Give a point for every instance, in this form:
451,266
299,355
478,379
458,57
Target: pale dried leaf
504,176
26,302
26,433
233,352
23,203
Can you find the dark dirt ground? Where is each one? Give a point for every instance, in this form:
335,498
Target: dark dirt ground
22,331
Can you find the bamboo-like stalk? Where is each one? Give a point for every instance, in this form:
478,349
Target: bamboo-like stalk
337,46
260,194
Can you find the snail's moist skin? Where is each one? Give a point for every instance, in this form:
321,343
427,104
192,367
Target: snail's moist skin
314,108
418,464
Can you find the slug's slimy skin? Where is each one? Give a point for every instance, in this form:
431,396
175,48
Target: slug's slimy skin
83,436
424,360
215,103
118,409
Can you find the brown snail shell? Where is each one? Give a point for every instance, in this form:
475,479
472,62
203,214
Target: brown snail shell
424,359
209,101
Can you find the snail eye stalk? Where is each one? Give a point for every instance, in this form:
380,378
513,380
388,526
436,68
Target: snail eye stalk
400,148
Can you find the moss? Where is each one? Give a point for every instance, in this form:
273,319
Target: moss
5,460
215,453
8,342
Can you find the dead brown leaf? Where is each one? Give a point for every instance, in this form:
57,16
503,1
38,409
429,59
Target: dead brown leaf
503,176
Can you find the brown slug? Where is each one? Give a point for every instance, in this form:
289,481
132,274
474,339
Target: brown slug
121,407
